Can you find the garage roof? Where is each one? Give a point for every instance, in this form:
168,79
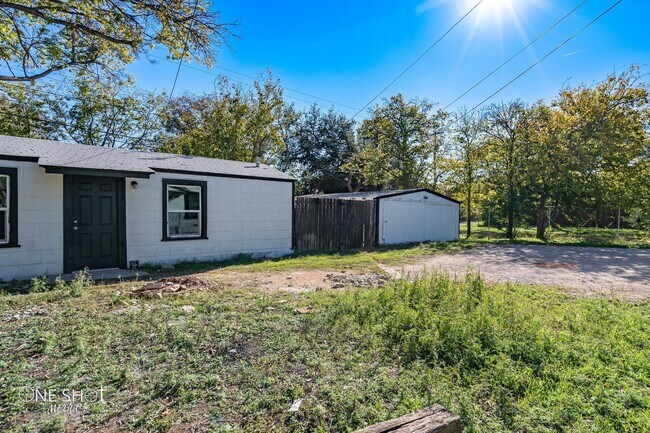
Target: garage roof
375,195
57,156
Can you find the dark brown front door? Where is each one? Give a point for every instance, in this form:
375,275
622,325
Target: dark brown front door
93,226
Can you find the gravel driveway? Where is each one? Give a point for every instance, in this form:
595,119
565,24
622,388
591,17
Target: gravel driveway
622,273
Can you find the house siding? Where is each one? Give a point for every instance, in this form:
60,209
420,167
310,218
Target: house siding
249,216
40,224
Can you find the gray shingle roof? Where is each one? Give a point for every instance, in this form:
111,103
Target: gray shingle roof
372,195
79,156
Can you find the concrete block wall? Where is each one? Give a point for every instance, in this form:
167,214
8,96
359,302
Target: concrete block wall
249,216
40,224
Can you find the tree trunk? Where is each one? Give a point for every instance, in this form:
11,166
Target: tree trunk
541,224
541,220
510,230
469,211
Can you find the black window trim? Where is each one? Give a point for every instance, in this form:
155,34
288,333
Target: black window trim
204,209
12,173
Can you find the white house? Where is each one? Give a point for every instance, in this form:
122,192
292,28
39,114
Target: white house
65,206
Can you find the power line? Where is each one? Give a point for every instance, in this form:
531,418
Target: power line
540,60
26,86
205,71
64,124
516,55
420,57
255,78
187,39
232,71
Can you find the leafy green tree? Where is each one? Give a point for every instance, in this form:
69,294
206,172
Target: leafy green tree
607,131
39,38
320,144
467,157
545,176
243,124
25,112
505,125
398,146
107,112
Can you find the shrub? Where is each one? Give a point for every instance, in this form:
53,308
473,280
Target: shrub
81,281
38,285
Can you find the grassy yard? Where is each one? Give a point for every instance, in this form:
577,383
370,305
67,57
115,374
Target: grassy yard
363,260
594,237
505,358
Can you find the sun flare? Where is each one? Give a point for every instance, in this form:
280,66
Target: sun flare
491,11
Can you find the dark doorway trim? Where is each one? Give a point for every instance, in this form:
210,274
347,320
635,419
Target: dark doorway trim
68,203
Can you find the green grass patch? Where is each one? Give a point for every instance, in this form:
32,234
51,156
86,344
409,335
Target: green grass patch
365,260
569,236
505,358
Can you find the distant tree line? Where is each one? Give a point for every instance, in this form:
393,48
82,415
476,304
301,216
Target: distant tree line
575,160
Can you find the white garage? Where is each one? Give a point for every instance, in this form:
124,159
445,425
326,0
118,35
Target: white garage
416,216
362,220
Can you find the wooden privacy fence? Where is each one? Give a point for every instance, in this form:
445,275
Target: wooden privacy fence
322,224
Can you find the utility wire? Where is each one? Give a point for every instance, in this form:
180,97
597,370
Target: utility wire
232,71
516,55
205,71
63,124
540,60
420,57
187,39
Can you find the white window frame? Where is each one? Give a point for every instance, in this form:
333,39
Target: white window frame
7,211
198,212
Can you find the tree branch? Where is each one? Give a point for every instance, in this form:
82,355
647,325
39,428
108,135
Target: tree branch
37,12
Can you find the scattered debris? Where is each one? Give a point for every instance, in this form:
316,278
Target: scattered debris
357,280
188,308
233,351
270,309
172,285
295,406
305,310
24,314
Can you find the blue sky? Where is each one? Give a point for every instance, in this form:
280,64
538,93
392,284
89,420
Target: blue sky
347,51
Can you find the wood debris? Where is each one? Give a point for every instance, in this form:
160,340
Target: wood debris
172,285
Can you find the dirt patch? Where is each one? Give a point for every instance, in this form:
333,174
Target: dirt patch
172,285
25,313
300,281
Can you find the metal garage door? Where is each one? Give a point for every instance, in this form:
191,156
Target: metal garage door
442,222
417,221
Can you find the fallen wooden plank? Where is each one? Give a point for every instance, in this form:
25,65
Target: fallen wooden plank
434,419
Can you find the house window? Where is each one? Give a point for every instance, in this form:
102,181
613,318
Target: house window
8,207
184,209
